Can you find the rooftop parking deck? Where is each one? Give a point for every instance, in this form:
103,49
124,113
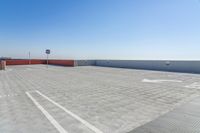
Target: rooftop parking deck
34,99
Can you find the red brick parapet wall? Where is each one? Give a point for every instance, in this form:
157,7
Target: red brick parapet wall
38,61
24,62
62,62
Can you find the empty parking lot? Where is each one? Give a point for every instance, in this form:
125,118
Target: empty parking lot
34,99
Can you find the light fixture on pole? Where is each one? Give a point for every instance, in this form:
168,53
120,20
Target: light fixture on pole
48,51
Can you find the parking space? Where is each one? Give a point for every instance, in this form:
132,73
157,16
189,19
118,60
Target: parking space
88,99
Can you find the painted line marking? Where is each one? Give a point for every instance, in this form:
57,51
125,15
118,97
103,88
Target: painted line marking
93,128
195,85
9,95
48,116
160,81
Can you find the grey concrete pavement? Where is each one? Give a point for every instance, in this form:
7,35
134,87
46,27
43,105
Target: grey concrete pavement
112,100
184,119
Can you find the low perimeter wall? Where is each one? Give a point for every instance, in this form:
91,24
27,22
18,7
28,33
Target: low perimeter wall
159,65
174,66
24,62
62,62
84,62
37,61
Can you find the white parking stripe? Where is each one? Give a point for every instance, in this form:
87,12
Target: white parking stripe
160,80
48,116
72,114
10,95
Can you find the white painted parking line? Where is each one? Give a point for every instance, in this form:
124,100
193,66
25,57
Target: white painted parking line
9,95
195,85
160,81
93,128
48,116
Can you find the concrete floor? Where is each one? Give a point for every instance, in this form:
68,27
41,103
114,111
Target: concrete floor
34,99
184,119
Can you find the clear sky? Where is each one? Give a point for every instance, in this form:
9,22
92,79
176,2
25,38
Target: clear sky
101,29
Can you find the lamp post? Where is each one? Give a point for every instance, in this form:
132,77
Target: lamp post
48,51
29,57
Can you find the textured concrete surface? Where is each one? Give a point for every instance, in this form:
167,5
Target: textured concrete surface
185,119
113,100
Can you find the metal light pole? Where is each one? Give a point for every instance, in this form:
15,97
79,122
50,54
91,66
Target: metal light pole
48,52
29,56
47,60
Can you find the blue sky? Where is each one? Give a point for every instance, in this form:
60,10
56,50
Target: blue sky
101,29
